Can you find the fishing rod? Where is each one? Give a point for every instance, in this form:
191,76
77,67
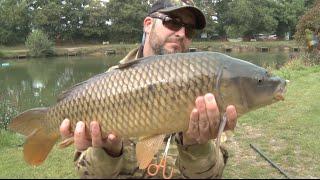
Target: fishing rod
272,163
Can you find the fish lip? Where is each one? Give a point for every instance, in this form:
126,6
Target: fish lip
279,93
279,97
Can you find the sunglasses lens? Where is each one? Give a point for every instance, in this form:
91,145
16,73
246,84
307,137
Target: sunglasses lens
176,26
172,25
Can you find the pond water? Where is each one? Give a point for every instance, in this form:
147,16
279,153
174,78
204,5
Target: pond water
26,84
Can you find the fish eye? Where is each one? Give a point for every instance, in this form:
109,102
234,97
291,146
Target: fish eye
268,74
260,81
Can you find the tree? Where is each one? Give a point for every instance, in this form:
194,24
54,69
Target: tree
310,20
47,16
126,19
248,17
309,3
287,13
95,20
60,19
73,16
221,7
14,21
209,10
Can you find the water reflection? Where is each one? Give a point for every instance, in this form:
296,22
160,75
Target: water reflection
37,82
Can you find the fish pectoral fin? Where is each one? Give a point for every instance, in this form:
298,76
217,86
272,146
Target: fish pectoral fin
38,145
67,142
146,148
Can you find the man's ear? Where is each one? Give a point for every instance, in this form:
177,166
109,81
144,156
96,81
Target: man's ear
147,24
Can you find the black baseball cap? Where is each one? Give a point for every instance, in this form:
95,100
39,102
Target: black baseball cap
167,6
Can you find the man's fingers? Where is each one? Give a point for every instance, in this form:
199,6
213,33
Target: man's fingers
96,135
231,117
65,129
113,145
113,139
213,114
193,130
204,128
80,140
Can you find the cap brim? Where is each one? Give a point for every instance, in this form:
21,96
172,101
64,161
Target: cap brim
200,19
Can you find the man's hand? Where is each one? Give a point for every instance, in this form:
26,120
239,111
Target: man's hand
205,120
111,144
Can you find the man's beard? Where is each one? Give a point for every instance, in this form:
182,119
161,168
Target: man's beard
158,46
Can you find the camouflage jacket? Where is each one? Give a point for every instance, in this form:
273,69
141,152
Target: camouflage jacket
195,161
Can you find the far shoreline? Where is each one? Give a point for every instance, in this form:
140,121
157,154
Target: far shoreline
100,50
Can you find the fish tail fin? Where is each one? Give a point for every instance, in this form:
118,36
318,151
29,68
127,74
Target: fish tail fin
38,142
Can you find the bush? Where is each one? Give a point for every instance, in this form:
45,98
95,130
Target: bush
7,111
310,20
39,44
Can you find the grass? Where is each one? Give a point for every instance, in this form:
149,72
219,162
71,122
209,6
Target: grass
287,132
59,163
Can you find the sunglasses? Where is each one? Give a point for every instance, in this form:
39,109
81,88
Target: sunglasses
175,24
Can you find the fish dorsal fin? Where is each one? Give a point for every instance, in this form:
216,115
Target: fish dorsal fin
146,148
66,93
128,64
135,62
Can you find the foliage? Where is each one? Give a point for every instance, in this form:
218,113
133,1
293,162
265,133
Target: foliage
209,10
14,20
309,3
286,13
291,68
1,54
121,21
310,20
94,22
221,7
127,18
246,18
60,19
307,27
7,111
73,17
47,16
39,44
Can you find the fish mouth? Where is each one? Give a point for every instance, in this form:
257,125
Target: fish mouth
279,97
280,91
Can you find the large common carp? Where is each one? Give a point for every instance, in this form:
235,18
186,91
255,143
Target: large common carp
149,98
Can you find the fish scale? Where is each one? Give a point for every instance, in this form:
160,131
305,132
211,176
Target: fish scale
149,91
